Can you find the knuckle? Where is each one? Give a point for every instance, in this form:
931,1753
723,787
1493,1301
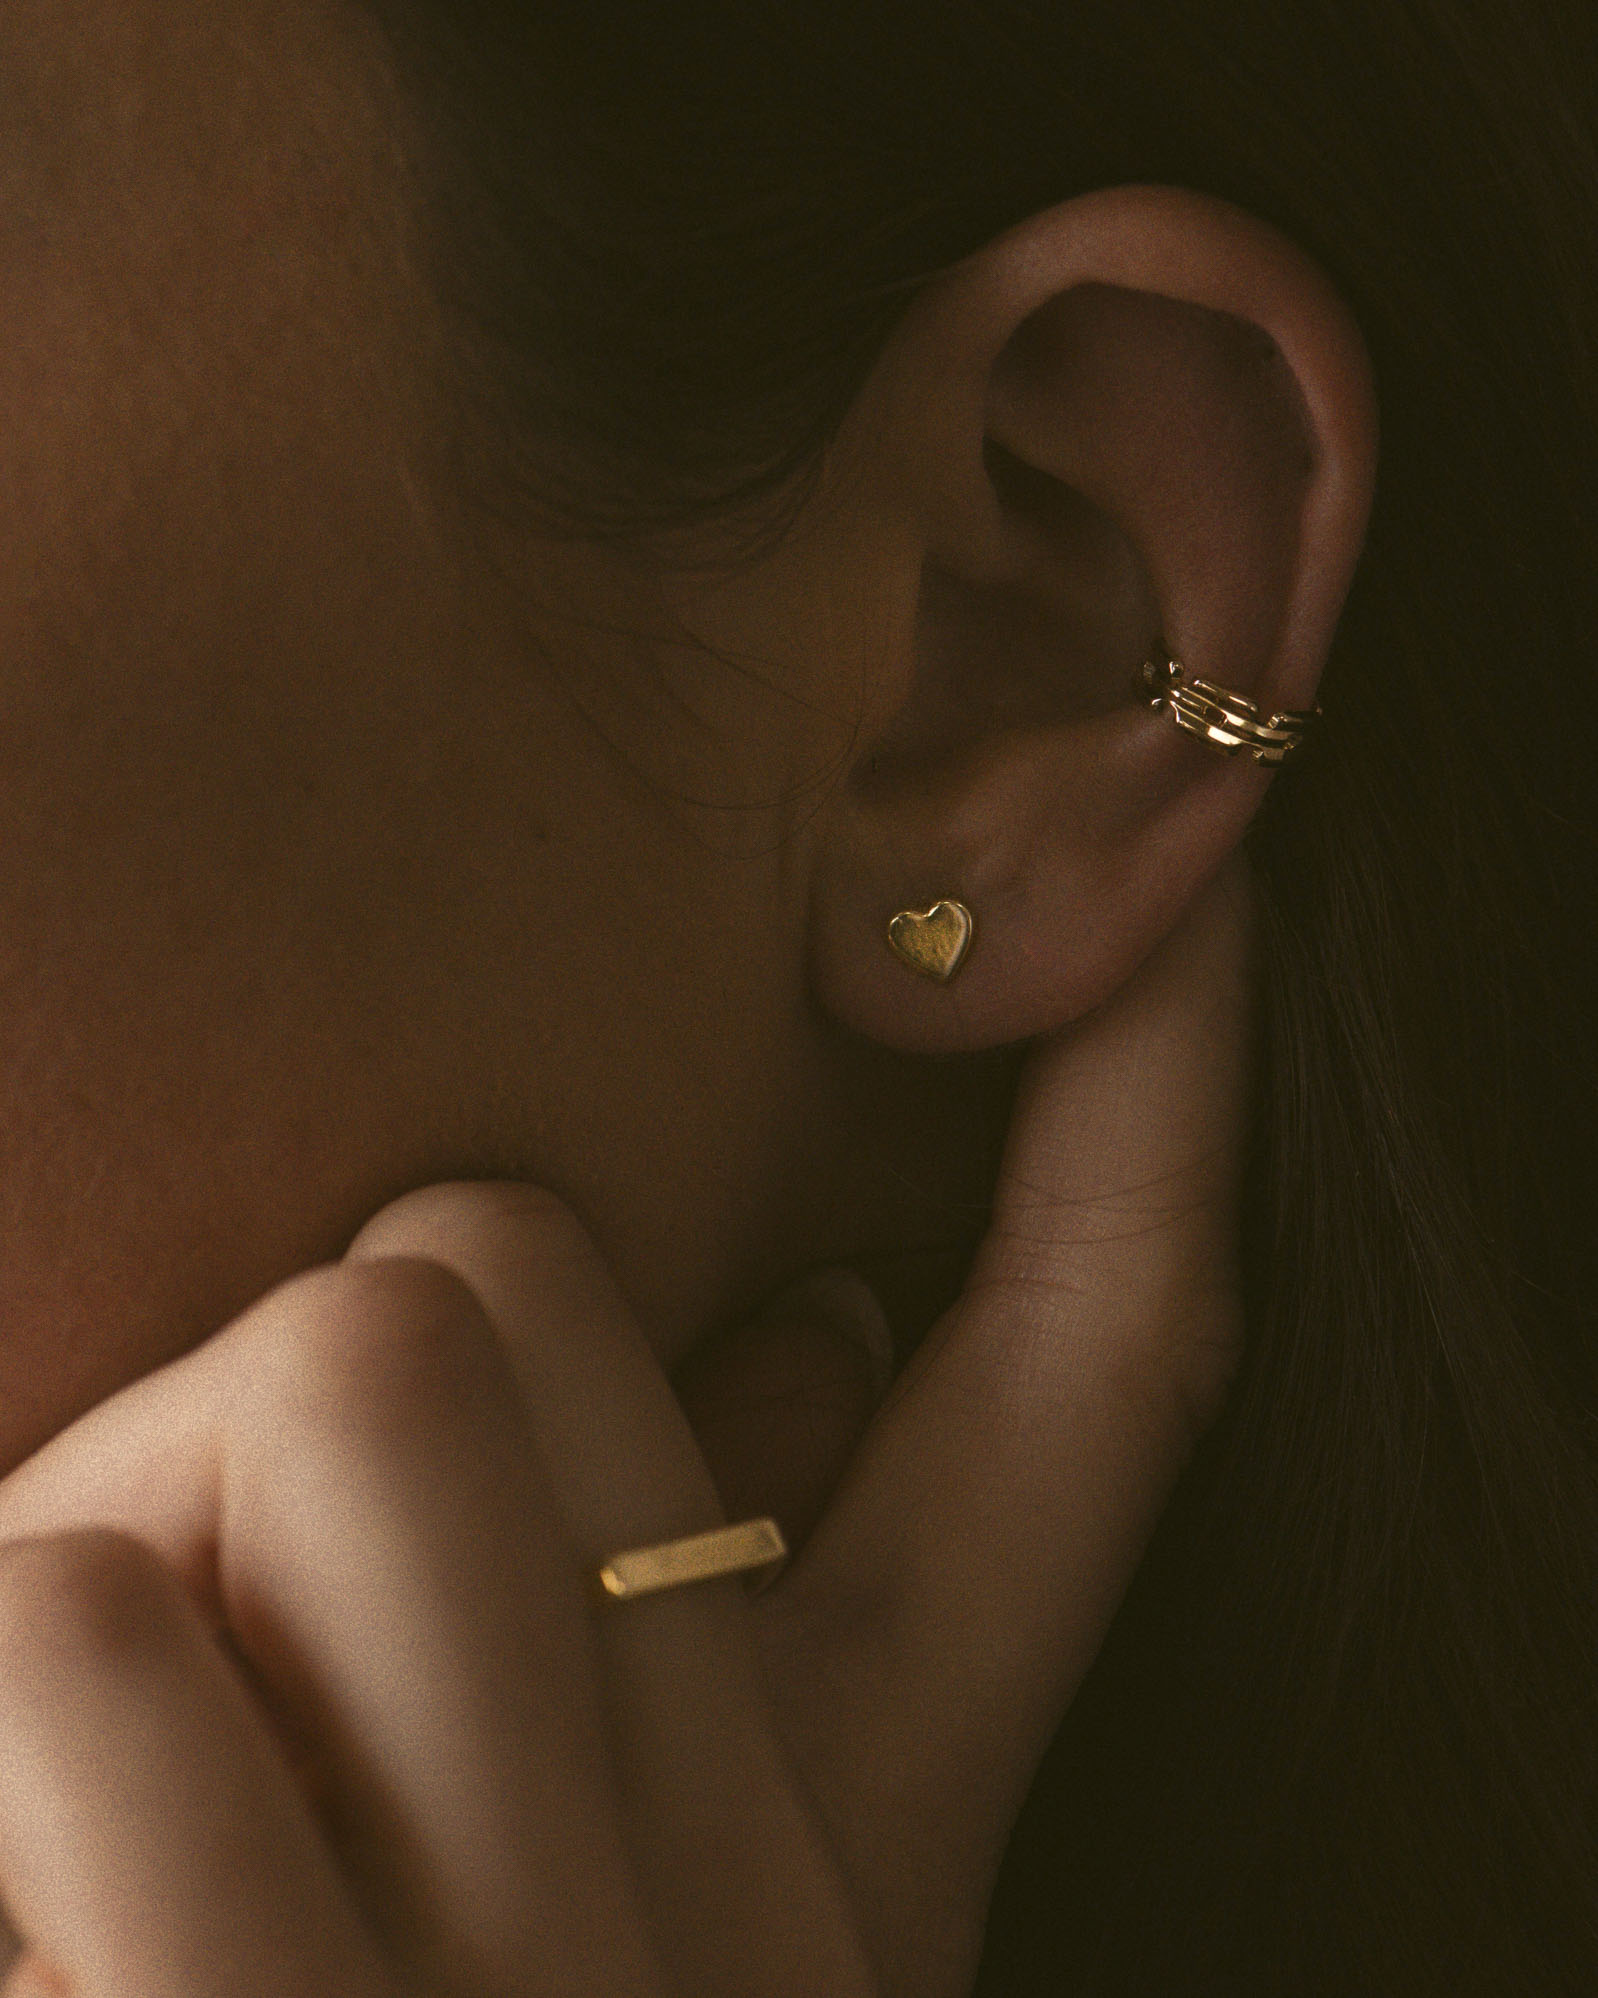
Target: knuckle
90,1592
440,1220
383,1345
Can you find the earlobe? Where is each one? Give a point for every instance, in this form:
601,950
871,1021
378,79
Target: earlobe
1141,436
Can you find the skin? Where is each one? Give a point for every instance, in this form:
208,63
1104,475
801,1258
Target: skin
810,1791
318,859
445,993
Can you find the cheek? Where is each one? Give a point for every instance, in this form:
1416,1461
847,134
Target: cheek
286,929
197,935
210,720
221,733
294,916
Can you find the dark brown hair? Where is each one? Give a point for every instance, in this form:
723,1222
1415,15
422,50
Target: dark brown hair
1344,1737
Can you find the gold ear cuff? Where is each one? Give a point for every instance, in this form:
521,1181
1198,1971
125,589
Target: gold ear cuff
1228,722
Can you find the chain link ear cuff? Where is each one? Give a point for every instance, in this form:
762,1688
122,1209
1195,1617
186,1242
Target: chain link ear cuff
1228,722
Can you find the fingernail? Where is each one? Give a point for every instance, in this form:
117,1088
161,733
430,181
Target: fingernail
843,1301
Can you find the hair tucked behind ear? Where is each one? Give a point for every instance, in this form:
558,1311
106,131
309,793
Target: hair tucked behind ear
1343,1738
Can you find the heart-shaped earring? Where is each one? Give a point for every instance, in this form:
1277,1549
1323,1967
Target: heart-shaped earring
933,941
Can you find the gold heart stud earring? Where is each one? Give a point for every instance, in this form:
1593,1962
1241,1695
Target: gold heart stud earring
935,941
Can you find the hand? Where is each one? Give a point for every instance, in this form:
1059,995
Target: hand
305,1692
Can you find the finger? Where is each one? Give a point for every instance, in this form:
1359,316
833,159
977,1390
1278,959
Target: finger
743,1892
150,1840
31,1979
347,1476
778,1404
951,1599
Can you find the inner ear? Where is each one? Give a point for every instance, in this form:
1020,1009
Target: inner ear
1052,642
1085,582
1185,427
1135,448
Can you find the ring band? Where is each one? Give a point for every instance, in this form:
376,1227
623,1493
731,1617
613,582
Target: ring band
728,1550
1227,721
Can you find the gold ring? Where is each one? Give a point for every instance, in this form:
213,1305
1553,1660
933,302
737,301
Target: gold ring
1227,721
728,1550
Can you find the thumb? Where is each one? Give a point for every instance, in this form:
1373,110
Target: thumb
29,1978
779,1403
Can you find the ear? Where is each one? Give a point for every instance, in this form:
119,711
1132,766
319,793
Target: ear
1141,415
